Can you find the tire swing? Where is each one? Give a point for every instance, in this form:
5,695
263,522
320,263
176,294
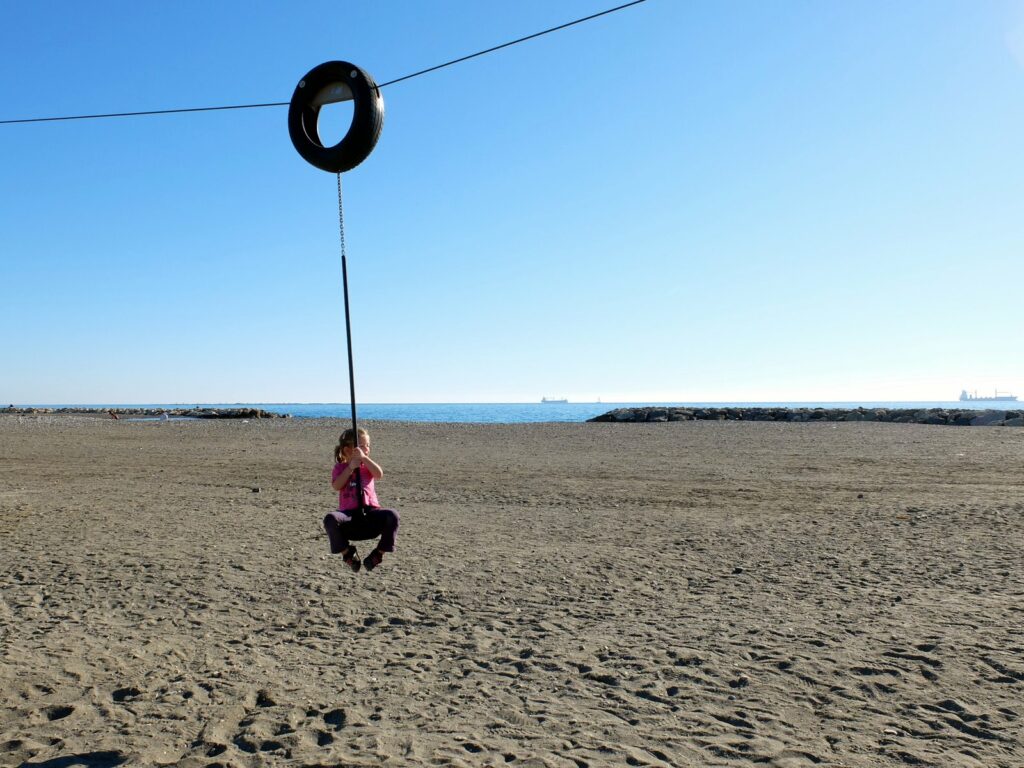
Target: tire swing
329,83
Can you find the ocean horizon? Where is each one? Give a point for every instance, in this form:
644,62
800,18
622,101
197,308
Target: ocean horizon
518,413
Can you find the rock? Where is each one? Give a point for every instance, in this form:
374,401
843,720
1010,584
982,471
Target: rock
196,413
988,418
936,416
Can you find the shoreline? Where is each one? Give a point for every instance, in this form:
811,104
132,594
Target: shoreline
948,416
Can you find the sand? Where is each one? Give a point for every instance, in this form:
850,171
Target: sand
684,594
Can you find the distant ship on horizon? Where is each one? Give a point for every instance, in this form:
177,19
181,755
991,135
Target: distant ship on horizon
554,400
1005,397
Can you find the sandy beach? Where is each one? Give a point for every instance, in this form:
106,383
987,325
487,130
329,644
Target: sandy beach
578,595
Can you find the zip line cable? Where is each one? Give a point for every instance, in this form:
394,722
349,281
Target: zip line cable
513,42
285,103
136,114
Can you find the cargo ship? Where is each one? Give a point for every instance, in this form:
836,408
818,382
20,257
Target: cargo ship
1002,397
554,400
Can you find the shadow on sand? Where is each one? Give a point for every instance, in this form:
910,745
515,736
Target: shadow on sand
85,760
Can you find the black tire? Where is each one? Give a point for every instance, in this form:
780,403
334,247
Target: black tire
367,117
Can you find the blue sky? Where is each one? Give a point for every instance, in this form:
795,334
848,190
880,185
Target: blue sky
704,201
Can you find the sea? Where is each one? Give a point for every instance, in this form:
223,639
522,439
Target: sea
518,413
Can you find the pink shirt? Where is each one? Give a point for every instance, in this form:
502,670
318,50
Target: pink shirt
347,497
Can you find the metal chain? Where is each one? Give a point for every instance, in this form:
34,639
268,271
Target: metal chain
341,219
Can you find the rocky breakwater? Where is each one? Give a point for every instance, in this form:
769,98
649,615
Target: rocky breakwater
187,413
949,416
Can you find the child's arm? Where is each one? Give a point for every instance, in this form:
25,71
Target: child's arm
339,482
375,469
357,457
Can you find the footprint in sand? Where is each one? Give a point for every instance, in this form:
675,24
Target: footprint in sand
58,712
335,718
125,694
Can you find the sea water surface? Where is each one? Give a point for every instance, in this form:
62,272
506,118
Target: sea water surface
516,413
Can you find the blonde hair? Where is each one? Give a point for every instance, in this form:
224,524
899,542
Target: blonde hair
348,440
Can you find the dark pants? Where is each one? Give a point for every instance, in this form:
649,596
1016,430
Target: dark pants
375,522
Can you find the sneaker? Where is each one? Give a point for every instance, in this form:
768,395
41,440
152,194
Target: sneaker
351,556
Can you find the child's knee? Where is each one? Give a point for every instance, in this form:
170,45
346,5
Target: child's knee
392,519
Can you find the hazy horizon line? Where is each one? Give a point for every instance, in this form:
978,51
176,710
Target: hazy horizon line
186,403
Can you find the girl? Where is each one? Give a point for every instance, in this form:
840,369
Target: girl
359,516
